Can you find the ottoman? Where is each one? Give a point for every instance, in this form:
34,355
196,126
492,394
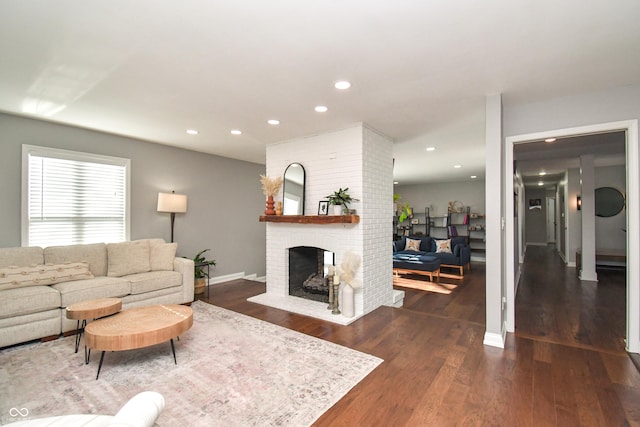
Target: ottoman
417,264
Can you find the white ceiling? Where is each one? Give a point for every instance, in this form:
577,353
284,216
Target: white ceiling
534,157
420,70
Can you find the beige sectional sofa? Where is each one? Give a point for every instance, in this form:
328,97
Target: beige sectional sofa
36,284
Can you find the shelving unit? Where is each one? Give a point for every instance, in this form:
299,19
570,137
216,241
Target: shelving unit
477,235
416,225
438,225
458,224
454,224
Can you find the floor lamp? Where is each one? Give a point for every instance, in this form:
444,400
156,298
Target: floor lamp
172,203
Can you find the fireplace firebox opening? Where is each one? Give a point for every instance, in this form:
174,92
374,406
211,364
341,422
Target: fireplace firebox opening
308,269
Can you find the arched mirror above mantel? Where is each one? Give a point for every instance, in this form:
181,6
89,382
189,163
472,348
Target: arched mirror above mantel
293,190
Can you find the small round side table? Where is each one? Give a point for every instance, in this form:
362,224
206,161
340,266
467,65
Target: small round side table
93,309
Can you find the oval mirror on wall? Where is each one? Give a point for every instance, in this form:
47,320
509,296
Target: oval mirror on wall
609,201
293,190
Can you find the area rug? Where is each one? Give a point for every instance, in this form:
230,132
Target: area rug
233,370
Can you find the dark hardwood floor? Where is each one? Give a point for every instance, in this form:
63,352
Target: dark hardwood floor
437,372
553,305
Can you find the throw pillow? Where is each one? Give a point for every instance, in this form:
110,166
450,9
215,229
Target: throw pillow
42,275
128,258
412,245
161,255
443,246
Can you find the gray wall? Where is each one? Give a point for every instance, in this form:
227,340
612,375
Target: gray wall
438,195
610,232
622,103
224,195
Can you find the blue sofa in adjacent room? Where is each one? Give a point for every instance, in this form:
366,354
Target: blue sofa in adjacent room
416,253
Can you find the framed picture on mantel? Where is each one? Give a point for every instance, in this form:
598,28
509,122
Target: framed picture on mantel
323,207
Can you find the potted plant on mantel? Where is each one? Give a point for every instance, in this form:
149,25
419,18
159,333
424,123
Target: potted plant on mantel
200,271
340,200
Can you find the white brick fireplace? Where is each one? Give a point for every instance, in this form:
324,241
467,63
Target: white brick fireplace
361,159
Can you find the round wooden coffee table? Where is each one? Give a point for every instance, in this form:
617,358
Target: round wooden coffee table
138,328
93,309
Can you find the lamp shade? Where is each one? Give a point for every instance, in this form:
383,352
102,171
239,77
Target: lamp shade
171,202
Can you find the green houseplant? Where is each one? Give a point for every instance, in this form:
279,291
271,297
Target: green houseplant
405,212
341,198
200,270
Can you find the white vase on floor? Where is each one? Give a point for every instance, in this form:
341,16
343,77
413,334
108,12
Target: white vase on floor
347,301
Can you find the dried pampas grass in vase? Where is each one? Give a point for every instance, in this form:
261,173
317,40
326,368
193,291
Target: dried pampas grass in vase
270,187
347,270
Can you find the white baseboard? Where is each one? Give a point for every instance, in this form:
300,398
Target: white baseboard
397,299
495,340
564,259
235,276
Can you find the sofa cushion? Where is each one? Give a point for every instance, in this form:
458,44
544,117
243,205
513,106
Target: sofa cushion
93,253
443,246
85,290
153,280
161,255
449,259
399,245
21,256
426,244
458,241
412,245
20,301
128,258
39,275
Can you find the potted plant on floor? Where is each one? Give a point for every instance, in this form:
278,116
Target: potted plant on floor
200,271
340,200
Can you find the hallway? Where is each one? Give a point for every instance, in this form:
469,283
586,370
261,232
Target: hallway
553,306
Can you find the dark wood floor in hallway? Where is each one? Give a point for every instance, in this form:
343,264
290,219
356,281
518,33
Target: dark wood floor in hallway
553,305
437,372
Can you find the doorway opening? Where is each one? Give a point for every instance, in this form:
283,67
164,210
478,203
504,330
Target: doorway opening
630,129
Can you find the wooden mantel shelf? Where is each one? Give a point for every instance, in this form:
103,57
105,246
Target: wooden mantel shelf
312,219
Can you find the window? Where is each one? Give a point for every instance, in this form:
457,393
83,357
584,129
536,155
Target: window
70,197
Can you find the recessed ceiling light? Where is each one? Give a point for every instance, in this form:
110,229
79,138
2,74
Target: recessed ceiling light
431,148
395,183
550,140
342,85
473,176
457,166
273,122
540,184
321,109
542,173
192,131
236,132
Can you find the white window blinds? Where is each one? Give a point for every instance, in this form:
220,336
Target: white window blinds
74,198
